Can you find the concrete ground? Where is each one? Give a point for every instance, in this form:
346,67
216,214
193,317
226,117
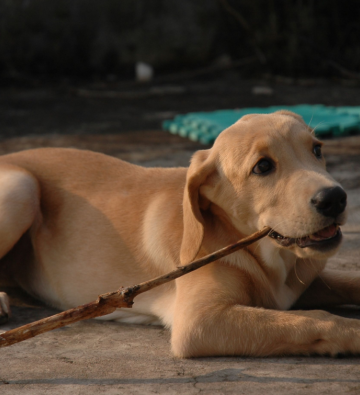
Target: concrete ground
93,357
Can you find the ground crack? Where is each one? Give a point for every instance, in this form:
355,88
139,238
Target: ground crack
195,383
2,381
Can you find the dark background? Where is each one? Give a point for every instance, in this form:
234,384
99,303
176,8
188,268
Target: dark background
68,66
87,38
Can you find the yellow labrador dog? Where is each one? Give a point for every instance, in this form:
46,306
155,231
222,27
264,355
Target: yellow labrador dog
79,224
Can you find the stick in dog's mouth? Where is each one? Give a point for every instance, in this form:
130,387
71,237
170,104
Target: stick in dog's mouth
324,237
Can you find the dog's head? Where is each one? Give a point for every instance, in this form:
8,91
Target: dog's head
266,170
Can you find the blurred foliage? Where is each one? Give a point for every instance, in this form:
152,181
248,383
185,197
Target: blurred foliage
81,37
85,36
297,37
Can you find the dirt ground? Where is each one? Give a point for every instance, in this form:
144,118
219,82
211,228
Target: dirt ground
95,357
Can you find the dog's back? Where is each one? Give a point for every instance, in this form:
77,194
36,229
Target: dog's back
85,210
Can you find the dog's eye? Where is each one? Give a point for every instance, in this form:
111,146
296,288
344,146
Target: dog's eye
317,151
263,166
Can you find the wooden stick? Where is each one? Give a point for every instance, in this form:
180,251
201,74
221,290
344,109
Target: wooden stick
109,302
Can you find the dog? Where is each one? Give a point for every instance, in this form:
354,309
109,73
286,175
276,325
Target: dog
75,224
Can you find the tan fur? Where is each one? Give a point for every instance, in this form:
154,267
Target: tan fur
95,223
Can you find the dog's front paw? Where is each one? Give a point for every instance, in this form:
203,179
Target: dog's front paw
4,308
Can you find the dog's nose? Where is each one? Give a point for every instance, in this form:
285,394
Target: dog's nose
330,201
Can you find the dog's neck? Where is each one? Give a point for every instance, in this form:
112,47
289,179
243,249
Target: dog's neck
279,271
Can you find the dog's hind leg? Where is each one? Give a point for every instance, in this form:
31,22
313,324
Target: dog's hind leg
19,205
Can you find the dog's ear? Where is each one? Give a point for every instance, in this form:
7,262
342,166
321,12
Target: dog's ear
202,166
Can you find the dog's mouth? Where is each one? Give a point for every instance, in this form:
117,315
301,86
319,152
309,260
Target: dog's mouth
324,237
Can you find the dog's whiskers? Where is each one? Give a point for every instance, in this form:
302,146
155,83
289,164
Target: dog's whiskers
313,130
302,282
